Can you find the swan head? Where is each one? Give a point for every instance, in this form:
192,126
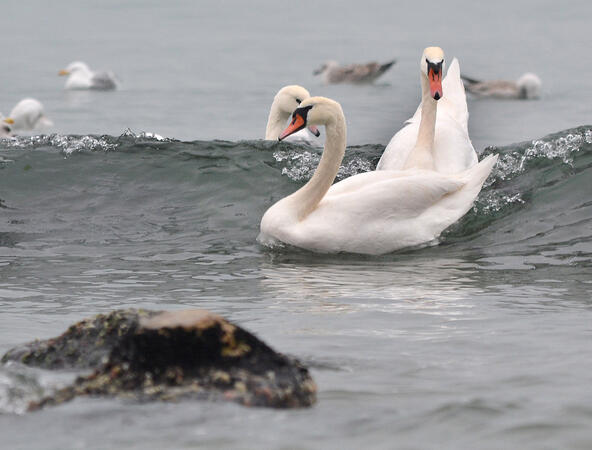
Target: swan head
432,67
74,67
312,111
289,98
529,85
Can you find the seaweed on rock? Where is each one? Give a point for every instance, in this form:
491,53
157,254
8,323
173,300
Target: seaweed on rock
149,355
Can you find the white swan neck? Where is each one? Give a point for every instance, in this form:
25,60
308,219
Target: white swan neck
276,122
421,155
308,197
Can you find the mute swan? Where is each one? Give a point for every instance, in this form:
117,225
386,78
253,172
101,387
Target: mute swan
332,73
528,86
28,115
81,77
452,150
373,212
285,101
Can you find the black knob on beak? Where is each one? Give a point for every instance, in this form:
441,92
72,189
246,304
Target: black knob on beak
437,96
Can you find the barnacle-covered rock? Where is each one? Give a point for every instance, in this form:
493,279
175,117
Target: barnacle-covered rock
148,355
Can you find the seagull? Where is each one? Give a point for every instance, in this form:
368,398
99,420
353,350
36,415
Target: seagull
354,73
28,115
81,77
528,86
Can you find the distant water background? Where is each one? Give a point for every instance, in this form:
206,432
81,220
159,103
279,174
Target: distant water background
480,342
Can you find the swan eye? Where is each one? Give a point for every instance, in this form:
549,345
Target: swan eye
298,101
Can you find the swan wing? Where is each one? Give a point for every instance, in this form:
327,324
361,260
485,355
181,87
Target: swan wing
379,217
380,212
453,150
397,151
455,98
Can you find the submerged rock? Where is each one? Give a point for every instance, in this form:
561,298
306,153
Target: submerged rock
151,355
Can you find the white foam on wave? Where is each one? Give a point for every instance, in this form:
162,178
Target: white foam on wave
145,135
67,144
514,163
300,165
562,147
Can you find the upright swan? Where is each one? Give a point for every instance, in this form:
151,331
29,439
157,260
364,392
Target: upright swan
373,212
285,101
441,118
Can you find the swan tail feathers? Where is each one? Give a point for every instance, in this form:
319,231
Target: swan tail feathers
476,175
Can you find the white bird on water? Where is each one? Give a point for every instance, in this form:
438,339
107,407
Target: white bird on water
433,141
28,115
81,77
371,213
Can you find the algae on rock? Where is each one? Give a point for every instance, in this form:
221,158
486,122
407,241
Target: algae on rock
151,355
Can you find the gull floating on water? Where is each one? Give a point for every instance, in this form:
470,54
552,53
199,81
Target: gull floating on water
81,77
528,86
332,73
28,115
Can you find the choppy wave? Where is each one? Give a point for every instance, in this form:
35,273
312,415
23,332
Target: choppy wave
252,174
526,168
137,196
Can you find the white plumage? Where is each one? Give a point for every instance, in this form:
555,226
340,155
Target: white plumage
285,101
370,213
81,77
452,148
28,115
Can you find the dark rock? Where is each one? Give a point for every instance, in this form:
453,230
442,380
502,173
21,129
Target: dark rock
149,355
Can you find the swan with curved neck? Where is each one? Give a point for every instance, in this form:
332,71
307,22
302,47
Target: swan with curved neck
436,137
373,212
285,101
